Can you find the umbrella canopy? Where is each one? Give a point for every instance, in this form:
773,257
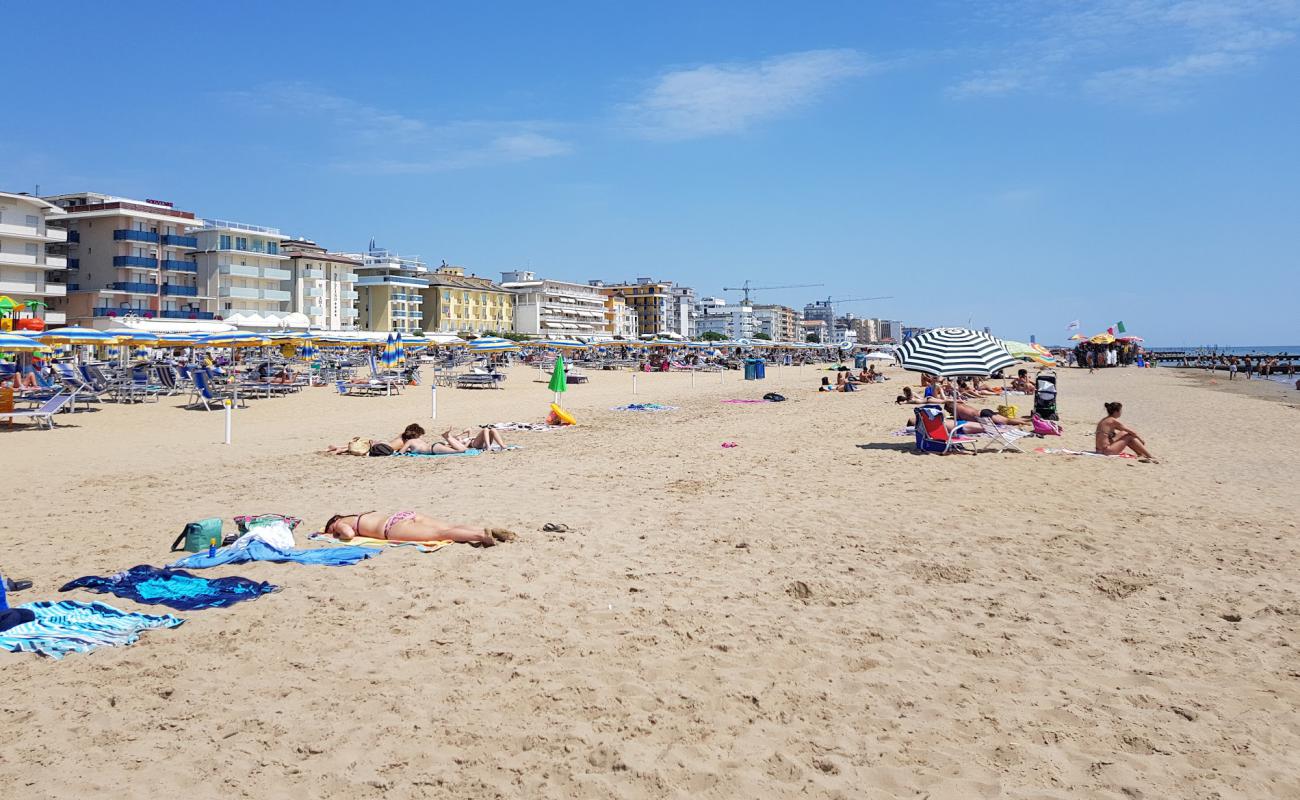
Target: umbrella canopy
231,339
1129,339
1103,338
399,350
133,336
558,344
389,356
8,341
952,352
492,344
1078,337
74,335
878,356
558,381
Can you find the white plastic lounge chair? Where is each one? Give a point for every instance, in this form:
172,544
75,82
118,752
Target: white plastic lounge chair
43,415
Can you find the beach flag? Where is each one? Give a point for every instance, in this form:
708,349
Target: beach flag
1073,326
1119,326
559,382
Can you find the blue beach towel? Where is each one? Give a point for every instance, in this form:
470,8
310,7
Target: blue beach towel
173,588
258,550
71,627
644,407
468,452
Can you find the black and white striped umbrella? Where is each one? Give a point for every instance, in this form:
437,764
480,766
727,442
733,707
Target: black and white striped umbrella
952,352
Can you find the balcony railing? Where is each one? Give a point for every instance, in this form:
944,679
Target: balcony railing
135,261
105,311
132,286
182,314
178,265
176,240
128,235
180,291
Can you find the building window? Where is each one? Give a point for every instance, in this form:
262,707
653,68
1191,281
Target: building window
241,243
225,242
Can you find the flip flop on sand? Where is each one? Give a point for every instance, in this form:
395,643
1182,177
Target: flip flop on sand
555,527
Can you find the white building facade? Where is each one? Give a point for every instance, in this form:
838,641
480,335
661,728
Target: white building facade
242,266
556,308
682,311
323,285
30,275
715,315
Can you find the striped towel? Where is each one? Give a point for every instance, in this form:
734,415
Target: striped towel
71,627
1061,451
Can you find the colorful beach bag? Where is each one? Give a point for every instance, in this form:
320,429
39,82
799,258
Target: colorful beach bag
198,535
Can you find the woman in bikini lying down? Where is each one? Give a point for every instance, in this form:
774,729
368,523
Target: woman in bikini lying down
411,526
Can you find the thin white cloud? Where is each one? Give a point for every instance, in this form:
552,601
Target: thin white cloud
373,139
718,99
1153,51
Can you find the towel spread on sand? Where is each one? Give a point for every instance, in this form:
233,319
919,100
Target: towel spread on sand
644,407
745,402
522,426
173,588
470,452
423,547
1061,451
71,627
258,550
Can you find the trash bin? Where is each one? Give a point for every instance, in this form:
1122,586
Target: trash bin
751,372
760,369
860,361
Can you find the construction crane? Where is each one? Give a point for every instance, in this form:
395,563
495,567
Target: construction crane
747,288
830,301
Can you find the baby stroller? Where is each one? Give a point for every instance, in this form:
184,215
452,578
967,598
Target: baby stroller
1045,396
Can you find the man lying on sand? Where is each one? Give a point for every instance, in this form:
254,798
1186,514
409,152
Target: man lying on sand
411,526
1114,436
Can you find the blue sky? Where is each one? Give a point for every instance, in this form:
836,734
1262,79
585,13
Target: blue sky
1011,164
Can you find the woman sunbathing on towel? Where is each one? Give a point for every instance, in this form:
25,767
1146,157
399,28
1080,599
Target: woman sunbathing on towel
411,526
1114,436
968,413
411,441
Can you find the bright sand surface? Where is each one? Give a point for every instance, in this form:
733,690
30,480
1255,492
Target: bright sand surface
817,612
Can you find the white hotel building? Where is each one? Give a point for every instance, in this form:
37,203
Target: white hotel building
556,308
26,268
323,287
242,267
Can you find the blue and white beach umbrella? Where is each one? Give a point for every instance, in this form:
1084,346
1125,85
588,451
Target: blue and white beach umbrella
492,344
75,335
954,352
558,344
11,342
399,350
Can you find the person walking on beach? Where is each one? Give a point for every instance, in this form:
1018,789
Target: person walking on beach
1114,437
1232,369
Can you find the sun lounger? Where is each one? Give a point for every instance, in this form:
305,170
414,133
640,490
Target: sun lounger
43,415
208,394
477,381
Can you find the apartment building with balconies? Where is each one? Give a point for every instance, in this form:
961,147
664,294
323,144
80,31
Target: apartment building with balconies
323,286
778,322
390,290
551,308
242,267
456,302
33,268
129,257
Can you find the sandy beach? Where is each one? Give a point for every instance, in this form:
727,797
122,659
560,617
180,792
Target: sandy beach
817,612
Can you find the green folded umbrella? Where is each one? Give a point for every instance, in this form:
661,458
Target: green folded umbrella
559,383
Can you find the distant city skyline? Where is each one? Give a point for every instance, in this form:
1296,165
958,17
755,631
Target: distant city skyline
1017,166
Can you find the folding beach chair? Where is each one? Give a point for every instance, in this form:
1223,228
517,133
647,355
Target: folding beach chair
208,395
44,415
933,437
1003,437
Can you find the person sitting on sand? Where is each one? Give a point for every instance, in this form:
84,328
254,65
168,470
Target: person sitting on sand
842,382
968,413
1113,436
826,385
1021,382
907,398
411,526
